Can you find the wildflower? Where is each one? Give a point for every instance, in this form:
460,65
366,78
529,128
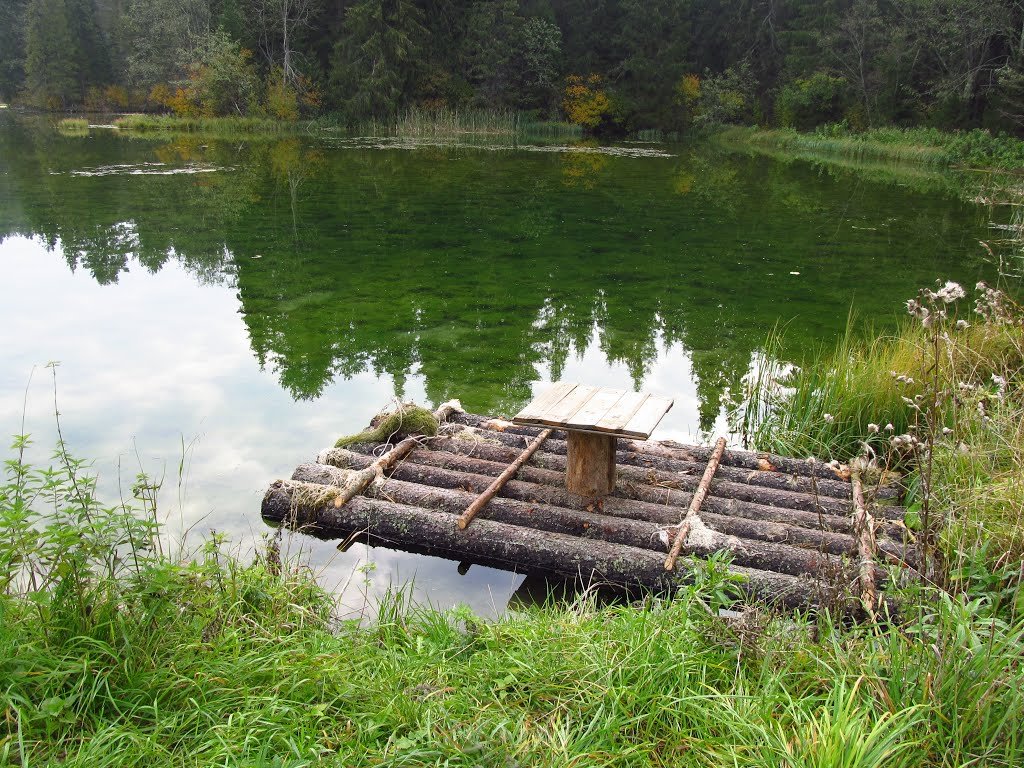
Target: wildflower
999,381
962,325
873,429
950,292
829,418
889,427
947,431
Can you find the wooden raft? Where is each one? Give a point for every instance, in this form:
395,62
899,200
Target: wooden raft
797,533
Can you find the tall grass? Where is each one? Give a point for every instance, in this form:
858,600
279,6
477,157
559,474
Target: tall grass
919,146
491,125
216,126
73,126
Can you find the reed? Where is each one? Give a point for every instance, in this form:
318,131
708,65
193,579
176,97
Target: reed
215,126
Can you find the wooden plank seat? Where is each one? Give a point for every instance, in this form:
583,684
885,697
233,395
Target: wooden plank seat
594,418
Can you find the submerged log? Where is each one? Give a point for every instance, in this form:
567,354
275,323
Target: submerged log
512,546
706,541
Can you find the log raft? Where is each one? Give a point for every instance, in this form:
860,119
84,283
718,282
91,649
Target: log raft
794,529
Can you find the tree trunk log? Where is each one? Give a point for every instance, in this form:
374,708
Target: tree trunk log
590,464
763,555
501,455
733,458
694,509
650,454
511,547
747,521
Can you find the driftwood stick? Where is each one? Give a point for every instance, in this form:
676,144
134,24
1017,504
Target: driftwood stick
694,509
358,482
481,501
864,525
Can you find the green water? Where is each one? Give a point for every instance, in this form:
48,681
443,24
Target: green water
223,309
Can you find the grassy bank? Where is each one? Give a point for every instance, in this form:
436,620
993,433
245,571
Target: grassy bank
114,651
922,146
491,125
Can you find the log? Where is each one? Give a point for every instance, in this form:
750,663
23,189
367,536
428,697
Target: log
590,464
636,475
694,509
864,525
763,555
358,481
650,454
747,521
509,546
481,501
733,457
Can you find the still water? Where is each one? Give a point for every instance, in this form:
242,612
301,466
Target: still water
222,310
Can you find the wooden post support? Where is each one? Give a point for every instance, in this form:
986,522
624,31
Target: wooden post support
481,501
864,525
695,502
590,467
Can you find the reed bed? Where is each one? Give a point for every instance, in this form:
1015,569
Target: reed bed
216,126
73,126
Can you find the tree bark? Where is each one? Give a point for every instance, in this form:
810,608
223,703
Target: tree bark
768,556
651,454
732,458
590,464
747,521
510,546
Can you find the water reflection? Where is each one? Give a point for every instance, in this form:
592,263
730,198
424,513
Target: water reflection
279,301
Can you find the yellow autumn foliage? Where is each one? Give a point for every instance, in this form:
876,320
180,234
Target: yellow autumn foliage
584,102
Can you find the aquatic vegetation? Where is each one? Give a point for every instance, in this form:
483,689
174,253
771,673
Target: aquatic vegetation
73,126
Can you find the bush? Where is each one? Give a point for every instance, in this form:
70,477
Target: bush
806,103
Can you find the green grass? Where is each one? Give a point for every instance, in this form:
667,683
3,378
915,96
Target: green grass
927,147
214,126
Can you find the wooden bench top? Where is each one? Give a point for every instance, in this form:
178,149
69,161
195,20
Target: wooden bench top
603,410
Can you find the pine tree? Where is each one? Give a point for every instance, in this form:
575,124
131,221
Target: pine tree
50,52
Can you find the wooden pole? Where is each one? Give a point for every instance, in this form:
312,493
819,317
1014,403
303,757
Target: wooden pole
694,509
481,501
363,478
864,525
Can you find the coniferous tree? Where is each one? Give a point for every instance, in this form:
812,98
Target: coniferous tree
50,55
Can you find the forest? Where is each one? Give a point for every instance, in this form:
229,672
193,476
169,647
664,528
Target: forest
612,66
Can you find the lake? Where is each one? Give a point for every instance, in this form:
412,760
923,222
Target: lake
222,310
